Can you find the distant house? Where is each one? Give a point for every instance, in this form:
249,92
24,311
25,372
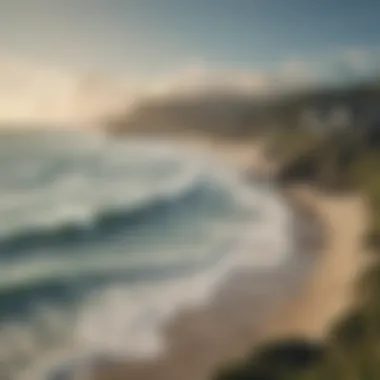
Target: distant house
325,119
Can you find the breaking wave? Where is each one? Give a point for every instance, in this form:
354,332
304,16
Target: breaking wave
103,241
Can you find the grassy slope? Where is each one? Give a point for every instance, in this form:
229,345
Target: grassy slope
353,348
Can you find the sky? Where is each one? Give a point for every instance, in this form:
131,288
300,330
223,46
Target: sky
55,47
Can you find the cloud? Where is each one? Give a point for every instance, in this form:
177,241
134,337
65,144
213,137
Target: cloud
31,92
359,59
39,94
35,93
202,79
194,80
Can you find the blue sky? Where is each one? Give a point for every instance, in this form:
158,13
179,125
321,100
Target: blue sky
62,59
153,36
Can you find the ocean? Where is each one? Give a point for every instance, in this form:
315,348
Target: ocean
103,240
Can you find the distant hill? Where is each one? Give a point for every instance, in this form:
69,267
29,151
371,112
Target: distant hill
241,116
218,114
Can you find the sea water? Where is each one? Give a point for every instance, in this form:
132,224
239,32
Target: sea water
103,240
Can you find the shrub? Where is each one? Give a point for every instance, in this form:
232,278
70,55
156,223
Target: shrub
276,361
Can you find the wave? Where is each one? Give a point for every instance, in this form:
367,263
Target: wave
68,230
115,238
85,208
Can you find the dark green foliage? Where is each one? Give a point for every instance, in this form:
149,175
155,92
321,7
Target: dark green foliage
352,349
303,169
372,240
368,285
276,361
351,332
292,355
246,372
235,372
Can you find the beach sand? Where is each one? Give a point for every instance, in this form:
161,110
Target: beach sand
330,289
202,340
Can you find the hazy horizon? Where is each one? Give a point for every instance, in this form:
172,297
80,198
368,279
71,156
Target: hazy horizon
71,61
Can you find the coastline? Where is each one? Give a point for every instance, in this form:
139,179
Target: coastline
329,290
201,341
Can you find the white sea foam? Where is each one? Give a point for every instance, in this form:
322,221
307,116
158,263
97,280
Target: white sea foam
182,255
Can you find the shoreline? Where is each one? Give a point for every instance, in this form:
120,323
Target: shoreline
329,290
201,341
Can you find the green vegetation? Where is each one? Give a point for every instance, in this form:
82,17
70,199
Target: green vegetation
349,161
277,360
333,161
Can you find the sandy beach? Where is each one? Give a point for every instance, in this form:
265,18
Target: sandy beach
330,289
318,289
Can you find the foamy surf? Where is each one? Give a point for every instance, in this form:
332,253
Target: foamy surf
103,242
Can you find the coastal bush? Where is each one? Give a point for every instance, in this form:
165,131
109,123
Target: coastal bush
364,171
290,355
368,285
372,241
234,372
351,332
352,348
304,169
276,361
370,187
288,144
326,163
